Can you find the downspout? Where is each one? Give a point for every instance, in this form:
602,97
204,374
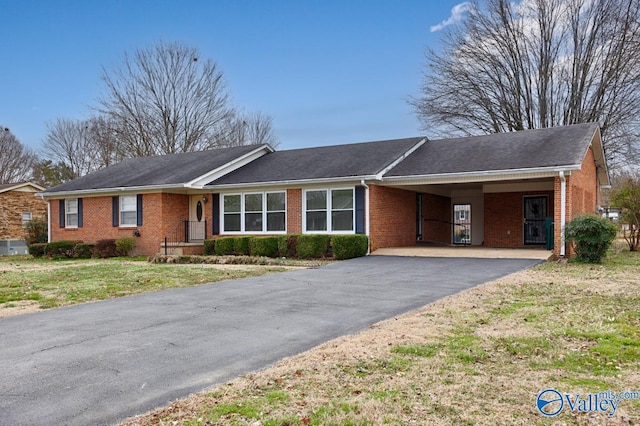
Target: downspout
366,213
48,216
48,221
563,210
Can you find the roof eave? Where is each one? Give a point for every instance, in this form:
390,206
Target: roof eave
116,190
293,182
22,185
601,161
401,158
481,176
201,181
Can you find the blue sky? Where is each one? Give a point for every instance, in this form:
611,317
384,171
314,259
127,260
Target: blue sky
328,72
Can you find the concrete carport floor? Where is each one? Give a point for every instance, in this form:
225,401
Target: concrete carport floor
473,252
98,363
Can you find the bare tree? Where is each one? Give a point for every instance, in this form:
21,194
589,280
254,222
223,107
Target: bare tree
165,99
538,63
16,161
80,146
247,129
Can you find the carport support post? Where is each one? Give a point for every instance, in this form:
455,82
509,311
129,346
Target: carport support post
366,214
563,210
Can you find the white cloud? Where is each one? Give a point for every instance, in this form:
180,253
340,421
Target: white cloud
456,16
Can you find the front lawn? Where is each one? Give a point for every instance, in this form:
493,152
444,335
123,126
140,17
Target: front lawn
51,283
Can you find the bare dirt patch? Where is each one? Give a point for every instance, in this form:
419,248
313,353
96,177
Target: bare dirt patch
19,308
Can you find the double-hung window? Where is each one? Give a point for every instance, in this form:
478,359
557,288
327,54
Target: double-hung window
232,213
253,212
329,210
71,212
256,212
128,210
26,218
276,212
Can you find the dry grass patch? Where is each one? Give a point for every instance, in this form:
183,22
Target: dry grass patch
478,358
27,284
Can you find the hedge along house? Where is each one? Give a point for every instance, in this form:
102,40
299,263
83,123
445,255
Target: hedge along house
501,190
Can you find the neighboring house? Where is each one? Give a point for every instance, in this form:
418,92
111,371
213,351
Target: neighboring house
500,190
18,205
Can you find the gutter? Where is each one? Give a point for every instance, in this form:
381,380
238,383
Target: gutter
96,191
294,182
482,175
563,210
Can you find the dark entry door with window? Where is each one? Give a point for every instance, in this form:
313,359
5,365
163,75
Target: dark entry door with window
462,224
535,210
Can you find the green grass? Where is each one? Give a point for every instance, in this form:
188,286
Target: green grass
426,350
60,283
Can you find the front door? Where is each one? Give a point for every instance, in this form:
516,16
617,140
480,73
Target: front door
196,228
535,210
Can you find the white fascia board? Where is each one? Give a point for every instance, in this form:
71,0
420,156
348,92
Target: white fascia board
22,185
482,176
109,191
598,153
300,182
232,165
400,159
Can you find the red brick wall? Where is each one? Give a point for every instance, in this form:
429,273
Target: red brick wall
436,213
583,194
294,211
584,187
161,214
504,217
12,205
392,217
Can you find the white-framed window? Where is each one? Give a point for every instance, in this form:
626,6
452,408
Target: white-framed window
71,212
276,212
232,215
26,218
329,210
128,210
254,212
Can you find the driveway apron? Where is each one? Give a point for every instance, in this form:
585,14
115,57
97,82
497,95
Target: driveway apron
99,363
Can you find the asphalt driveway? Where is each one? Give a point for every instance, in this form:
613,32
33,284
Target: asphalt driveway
99,363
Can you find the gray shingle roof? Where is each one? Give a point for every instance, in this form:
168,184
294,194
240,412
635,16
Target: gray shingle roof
351,160
167,170
558,146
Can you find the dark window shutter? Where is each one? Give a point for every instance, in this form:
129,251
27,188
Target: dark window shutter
61,211
79,212
139,209
215,205
360,210
115,213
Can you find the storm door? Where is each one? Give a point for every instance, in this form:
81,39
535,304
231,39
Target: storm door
535,210
462,224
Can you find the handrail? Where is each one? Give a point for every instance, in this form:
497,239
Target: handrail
185,231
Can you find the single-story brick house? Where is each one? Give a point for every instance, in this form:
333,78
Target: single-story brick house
496,190
18,206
